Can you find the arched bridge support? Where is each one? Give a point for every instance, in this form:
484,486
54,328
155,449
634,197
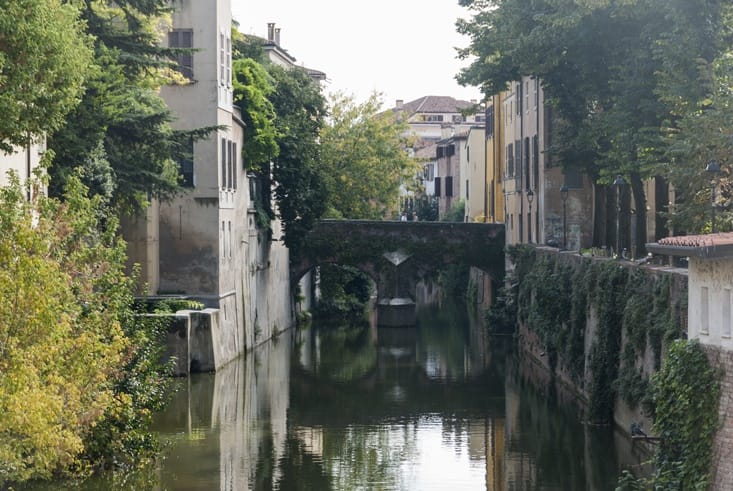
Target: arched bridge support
395,254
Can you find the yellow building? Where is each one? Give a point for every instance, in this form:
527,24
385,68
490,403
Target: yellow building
494,197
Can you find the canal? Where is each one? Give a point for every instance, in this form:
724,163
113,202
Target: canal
439,406
442,406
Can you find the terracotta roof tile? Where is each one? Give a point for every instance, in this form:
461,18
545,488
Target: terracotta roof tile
707,240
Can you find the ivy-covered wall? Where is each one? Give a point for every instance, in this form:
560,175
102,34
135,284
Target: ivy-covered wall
600,325
614,332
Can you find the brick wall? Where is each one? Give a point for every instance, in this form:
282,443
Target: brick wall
722,462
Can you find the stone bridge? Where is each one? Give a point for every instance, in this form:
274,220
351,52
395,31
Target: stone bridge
398,255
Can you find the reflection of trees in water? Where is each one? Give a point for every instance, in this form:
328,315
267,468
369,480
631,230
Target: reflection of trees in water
548,443
340,354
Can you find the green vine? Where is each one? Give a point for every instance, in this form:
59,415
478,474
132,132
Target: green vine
553,296
686,391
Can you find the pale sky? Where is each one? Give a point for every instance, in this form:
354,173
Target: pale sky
402,48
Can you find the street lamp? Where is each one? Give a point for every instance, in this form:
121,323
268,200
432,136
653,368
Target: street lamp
530,198
619,183
713,168
564,197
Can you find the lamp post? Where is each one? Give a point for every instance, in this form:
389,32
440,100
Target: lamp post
530,198
564,197
713,168
619,183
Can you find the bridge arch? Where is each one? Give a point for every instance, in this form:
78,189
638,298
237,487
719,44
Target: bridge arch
381,248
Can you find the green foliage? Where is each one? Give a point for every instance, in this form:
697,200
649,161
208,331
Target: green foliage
75,363
686,392
553,299
619,75
345,292
365,159
456,213
121,133
299,178
45,56
251,90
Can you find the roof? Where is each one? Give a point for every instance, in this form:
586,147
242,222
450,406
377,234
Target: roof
435,104
426,153
709,245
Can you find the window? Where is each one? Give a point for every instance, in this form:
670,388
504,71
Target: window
182,38
704,311
490,122
518,158
433,118
726,314
510,160
519,99
437,187
235,155
457,118
536,159
467,189
230,167
429,172
526,96
185,165
439,152
228,79
448,186
223,160
450,150
526,155
222,59
468,153
536,93
479,119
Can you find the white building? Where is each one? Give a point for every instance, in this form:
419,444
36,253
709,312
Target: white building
710,282
22,162
205,244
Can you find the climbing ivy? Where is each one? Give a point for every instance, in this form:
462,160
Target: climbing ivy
686,392
553,297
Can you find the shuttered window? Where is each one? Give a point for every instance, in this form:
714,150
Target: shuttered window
182,38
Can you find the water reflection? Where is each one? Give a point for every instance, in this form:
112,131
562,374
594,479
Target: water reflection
434,407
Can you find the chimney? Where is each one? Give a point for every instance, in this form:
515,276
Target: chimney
271,32
399,103
277,36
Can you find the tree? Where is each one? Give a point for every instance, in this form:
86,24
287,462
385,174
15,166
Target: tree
74,360
299,177
251,90
618,73
121,134
45,56
365,159
299,109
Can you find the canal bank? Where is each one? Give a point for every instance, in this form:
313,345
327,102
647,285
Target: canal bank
614,333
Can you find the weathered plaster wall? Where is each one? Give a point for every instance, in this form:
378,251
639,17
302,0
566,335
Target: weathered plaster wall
709,319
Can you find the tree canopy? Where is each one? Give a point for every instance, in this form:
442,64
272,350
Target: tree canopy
80,375
120,134
365,158
621,74
45,55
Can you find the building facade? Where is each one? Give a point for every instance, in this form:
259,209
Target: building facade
205,243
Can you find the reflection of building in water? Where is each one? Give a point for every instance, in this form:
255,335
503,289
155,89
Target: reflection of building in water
246,403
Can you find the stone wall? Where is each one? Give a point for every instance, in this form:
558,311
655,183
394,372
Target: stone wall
533,345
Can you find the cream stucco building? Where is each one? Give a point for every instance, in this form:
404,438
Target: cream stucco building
205,243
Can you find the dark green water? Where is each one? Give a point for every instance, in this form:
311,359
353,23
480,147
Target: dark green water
441,406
